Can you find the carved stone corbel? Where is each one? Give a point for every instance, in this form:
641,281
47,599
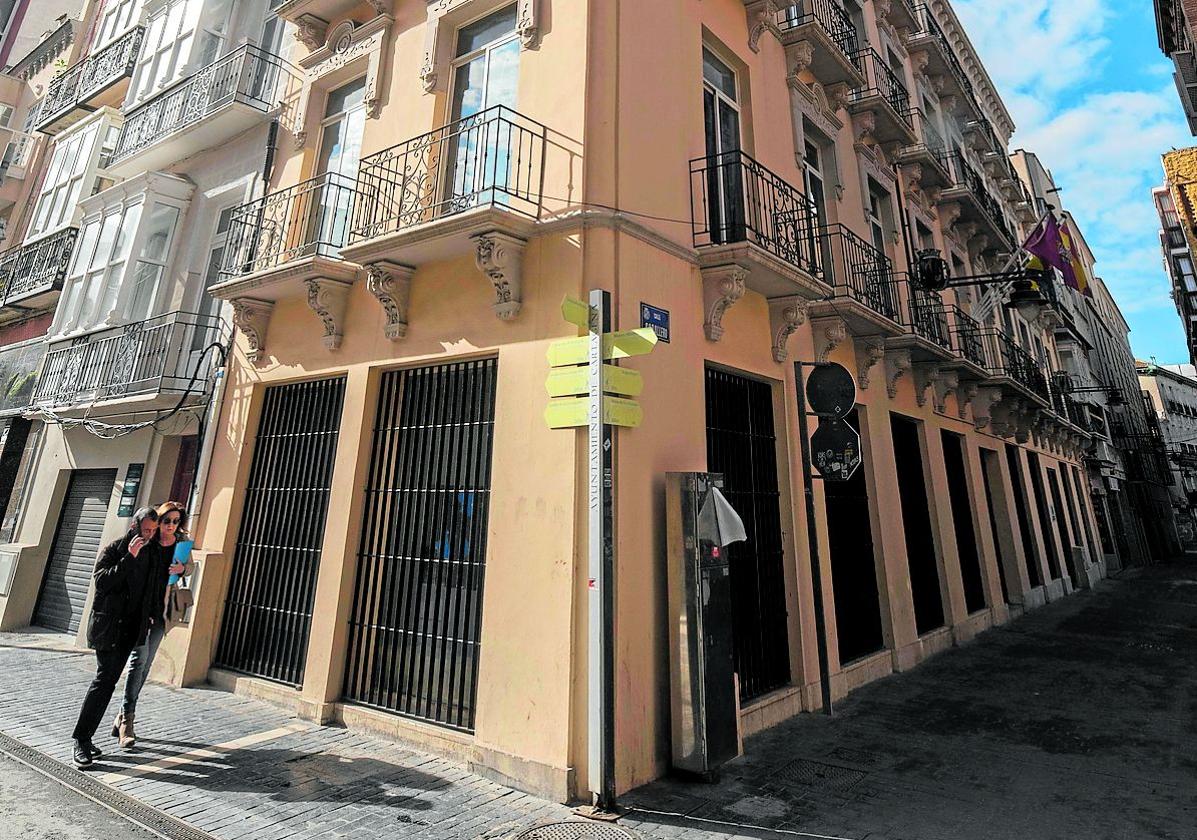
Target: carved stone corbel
869,353
390,283
528,27
501,258
785,317
762,18
1004,416
328,298
984,405
252,317
865,123
837,96
381,7
949,214
897,362
1024,421
798,59
925,376
311,31
829,334
948,383
965,395
722,286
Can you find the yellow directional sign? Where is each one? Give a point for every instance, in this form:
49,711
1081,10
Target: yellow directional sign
620,345
576,312
564,414
571,381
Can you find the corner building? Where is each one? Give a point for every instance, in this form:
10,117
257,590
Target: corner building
390,536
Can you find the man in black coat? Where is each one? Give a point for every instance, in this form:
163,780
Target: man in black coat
130,579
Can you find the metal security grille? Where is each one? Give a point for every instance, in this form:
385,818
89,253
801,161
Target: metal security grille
417,612
268,614
742,446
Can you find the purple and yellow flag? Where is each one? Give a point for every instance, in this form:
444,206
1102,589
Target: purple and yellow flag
1074,275
1054,246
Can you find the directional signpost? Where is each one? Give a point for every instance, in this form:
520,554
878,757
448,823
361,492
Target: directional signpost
585,389
831,393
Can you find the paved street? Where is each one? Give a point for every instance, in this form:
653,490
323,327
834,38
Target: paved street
1076,721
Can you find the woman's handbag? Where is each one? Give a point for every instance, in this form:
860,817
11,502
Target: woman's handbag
178,602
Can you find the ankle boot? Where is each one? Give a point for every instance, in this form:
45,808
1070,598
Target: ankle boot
128,737
116,725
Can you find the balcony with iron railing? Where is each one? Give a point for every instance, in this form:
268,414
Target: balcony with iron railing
100,79
881,105
967,343
1173,235
157,361
834,41
427,198
977,203
928,151
744,214
32,274
204,110
19,367
928,36
927,330
277,242
984,139
1014,369
864,286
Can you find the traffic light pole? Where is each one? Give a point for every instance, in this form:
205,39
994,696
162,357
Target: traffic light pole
601,582
812,536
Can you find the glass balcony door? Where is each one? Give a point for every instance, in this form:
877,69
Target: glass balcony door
485,76
331,201
721,113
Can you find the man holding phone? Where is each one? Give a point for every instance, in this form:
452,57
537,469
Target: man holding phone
130,579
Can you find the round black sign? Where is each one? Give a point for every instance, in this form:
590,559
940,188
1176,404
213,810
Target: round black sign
830,390
835,450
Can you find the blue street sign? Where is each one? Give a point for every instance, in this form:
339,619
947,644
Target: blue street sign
656,319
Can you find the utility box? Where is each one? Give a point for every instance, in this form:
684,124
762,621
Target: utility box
702,666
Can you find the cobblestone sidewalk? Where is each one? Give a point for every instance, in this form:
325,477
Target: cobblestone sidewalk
1077,721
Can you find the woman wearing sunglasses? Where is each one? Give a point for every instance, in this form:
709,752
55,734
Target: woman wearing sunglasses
172,527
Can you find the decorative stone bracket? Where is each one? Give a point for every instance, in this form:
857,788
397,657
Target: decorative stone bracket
984,404
965,395
829,334
785,317
947,383
868,354
328,299
252,317
390,283
444,16
762,18
897,362
722,286
500,257
926,376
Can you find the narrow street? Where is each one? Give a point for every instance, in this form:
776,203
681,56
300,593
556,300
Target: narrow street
1077,720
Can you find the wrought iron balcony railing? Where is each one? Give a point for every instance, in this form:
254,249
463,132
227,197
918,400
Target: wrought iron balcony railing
248,75
310,219
495,158
965,176
881,80
966,336
86,78
156,356
733,198
41,266
1007,359
830,16
19,366
929,27
857,270
927,317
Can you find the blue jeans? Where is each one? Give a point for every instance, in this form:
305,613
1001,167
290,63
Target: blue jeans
139,667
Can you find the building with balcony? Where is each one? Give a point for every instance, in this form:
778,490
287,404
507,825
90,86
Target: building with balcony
159,126
1175,23
1172,391
1174,204
390,213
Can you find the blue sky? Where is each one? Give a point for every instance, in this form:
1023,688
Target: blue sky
1092,94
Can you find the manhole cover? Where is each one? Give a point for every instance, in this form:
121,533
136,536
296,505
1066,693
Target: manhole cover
576,830
820,776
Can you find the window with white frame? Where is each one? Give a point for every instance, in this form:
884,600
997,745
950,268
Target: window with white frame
72,164
213,30
124,247
166,46
119,15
